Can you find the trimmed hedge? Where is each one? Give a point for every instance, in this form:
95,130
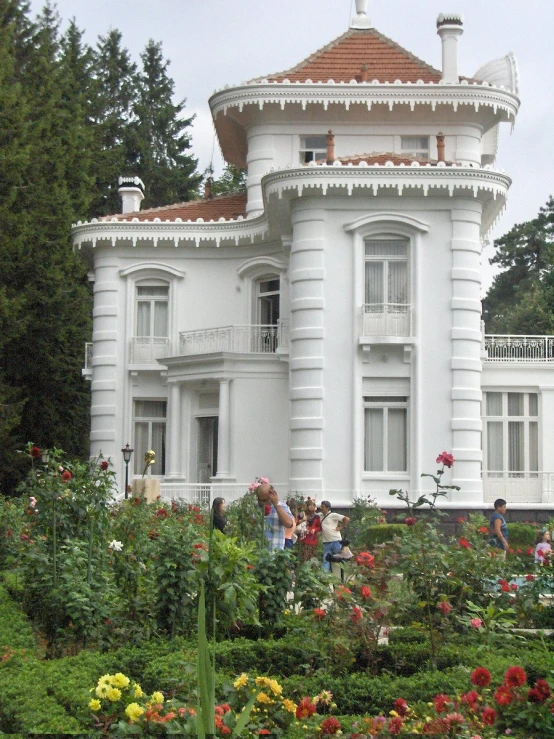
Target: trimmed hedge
522,535
382,533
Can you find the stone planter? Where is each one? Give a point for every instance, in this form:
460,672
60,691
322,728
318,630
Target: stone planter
148,487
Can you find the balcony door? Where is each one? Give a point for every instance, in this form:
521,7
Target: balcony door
386,309
268,303
206,446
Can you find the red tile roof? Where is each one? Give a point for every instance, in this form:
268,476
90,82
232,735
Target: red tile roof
342,60
221,206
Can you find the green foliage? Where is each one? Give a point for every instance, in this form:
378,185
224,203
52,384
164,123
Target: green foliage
522,535
382,533
244,518
231,182
363,515
274,573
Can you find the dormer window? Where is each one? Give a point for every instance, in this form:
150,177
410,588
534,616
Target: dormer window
313,148
417,146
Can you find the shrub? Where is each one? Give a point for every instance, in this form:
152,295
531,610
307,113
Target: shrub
522,535
382,533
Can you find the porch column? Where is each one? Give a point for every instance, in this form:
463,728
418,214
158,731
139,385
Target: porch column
174,431
224,431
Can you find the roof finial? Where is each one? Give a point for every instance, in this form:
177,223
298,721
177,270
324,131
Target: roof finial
361,19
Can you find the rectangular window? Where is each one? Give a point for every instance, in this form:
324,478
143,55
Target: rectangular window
386,433
417,146
150,433
511,446
152,311
386,309
313,148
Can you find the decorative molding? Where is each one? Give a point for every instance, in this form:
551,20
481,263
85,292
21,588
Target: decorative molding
152,267
401,219
253,264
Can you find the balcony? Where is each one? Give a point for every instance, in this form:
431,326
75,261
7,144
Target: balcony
386,319
86,372
247,339
146,350
505,348
519,487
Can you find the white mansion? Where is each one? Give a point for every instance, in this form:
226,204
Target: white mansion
323,328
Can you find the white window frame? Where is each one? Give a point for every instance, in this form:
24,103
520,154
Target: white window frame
505,419
386,260
387,403
260,295
317,153
152,300
138,465
422,152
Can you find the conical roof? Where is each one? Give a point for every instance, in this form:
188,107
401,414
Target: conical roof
342,61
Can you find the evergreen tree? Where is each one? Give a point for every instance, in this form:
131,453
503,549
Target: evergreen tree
232,181
114,97
521,298
160,138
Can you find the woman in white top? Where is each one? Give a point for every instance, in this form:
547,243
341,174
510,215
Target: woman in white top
331,527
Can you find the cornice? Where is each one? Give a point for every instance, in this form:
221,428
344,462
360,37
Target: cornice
368,94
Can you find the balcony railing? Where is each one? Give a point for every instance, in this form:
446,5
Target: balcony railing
147,349
386,319
235,339
518,487
203,494
505,348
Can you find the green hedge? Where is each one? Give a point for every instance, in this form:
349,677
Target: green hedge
522,535
382,533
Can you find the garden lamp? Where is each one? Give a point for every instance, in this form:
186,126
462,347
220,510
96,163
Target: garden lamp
127,451
44,456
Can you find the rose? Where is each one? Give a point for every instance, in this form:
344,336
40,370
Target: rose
319,613
483,530
356,614
476,623
365,592
444,607
104,465
464,543
446,459
35,452
410,521
66,476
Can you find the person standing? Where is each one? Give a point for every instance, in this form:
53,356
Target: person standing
498,528
278,517
308,532
331,526
218,514
543,550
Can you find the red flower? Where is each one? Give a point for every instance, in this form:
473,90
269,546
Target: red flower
441,700
342,592
515,676
481,677
104,464
446,459
488,716
540,554
461,519
264,731
365,592
540,693
356,614
529,578
395,725
444,607
35,452
513,586
305,708
267,509
530,551
410,521
455,718
503,696
505,587
483,530
365,559
66,476
200,545
330,725
470,699
464,543
162,513
401,706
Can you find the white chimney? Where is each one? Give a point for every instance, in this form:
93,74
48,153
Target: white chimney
131,191
361,20
449,28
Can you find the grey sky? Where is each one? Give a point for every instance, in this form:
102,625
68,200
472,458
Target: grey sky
213,43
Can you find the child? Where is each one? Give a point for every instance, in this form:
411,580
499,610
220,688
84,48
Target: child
498,528
543,549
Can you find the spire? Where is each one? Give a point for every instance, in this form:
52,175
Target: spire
361,20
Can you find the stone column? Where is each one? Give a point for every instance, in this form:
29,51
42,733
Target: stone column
174,431
224,431
466,353
306,347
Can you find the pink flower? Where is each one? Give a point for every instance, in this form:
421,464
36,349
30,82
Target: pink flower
410,521
264,480
476,623
395,725
445,607
32,501
446,459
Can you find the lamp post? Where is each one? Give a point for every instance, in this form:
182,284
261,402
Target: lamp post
127,451
44,456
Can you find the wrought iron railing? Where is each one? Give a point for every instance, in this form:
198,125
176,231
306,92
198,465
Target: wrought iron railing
147,349
386,319
506,348
248,339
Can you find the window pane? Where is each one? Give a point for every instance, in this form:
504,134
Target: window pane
153,291
150,408
495,446
158,445
269,286
494,404
386,249
398,282
374,430
141,446
515,446
414,143
533,446
533,404
160,318
374,292
143,318
515,404
396,451
314,142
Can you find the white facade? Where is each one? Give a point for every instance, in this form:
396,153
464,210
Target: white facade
329,339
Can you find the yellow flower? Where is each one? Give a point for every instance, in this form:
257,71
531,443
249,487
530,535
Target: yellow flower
114,694
138,691
241,681
263,698
133,711
393,713
94,704
119,680
103,689
275,687
289,705
158,697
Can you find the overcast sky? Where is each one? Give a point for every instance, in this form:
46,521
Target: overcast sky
213,43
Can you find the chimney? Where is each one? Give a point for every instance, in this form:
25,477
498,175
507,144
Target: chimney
208,188
449,28
361,20
131,191
330,147
365,73
440,147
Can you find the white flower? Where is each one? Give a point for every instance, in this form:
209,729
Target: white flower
115,545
